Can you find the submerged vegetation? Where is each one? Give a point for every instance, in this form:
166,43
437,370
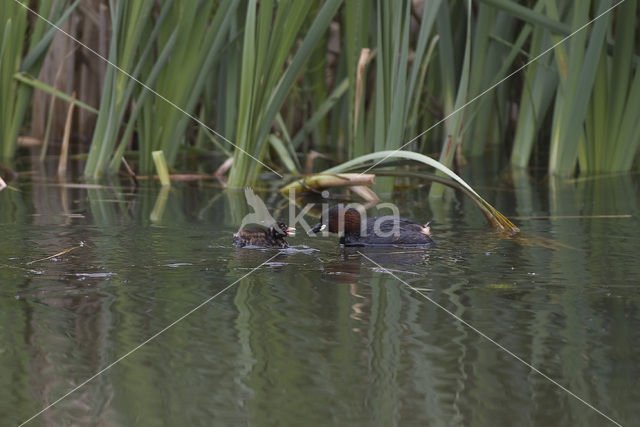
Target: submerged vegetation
273,83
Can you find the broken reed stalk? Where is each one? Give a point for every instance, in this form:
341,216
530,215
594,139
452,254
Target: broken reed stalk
161,168
366,193
322,181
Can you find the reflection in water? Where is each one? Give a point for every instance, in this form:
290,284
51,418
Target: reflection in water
319,335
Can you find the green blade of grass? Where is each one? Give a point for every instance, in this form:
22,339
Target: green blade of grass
456,121
529,15
582,68
40,85
283,153
320,113
498,220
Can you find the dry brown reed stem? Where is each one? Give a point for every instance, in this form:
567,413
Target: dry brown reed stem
64,151
312,155
362,64
29,141
52,103
47,126
129,170
66,251
179,177
224,167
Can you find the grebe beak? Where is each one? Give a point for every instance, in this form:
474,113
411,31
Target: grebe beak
291,231
426,229
318,228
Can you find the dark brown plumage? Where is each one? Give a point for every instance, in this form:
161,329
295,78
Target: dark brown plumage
261,237
378,230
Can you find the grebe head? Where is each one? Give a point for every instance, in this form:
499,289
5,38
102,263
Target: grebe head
280,230
340,220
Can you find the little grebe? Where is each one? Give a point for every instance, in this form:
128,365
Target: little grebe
378,230
272,237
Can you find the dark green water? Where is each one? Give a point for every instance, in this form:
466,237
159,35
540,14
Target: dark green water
319,335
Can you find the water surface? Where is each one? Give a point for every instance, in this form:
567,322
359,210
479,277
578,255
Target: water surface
319,335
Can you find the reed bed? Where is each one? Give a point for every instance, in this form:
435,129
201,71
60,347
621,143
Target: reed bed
281,80
23,45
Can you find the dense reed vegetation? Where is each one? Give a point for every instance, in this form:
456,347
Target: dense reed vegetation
187,37
274,80
23,45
